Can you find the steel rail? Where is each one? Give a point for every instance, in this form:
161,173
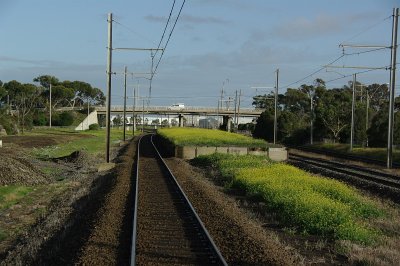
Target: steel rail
134,229
342,155
216,250
379,178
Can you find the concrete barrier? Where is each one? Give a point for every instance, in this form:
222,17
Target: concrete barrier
204,150
278,154
238,150
185,152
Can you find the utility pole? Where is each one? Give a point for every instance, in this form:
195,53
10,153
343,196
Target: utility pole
108,111
125,72
276,105
238,109
352,112
235,112
311,116
392,88
133,111
50,104
143,117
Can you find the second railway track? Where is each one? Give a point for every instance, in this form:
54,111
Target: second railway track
168,231
372,180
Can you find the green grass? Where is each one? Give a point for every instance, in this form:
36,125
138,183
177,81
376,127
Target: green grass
208,137
3,235
308,203
10,195
374,153
93,143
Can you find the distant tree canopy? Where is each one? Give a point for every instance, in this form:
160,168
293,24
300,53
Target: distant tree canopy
26,99
330,112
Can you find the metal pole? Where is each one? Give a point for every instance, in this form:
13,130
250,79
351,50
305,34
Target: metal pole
143,116
352,112
235,113
88,113
392,87
276,105
126,69
50,106
133,112
366,119
238,110
8,102
108,112
312,117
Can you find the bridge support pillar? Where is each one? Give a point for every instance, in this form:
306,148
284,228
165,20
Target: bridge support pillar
227,122
180,117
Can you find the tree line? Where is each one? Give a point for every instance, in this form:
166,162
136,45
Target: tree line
23,105
328,113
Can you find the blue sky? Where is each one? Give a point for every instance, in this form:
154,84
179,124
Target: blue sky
239,42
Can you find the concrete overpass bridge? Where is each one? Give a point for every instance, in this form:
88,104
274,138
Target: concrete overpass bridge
227,113
188,110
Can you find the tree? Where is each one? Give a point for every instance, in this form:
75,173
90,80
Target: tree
46,80
334,109
264,128
117,121
24,97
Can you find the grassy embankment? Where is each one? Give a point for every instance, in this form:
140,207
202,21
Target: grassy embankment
93,142
374,153
207,137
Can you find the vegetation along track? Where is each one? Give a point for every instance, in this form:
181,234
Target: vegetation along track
375,181
167,230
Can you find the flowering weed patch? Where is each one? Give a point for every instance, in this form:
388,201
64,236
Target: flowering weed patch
312,204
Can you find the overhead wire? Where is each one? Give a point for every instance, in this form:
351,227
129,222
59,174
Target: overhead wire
166,26
345,54
169,37
367,29
315,72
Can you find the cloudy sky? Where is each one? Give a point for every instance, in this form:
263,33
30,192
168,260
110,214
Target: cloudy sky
237,44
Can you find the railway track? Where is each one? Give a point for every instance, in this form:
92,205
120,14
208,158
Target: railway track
167,229
345,156
375,181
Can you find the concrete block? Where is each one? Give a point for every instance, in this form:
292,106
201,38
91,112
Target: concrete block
1,143
222,149
185,152
202,150
259,153
105,167
278,154
238,150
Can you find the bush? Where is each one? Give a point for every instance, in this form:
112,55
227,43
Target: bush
94,127
40,119
63,119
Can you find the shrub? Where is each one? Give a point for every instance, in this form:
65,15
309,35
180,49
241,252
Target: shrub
63,119
94,127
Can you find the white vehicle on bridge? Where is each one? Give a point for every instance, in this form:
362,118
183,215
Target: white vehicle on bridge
177,107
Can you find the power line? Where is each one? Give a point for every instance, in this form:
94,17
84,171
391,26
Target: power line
364,52
367,29
315,72
166,26
361,72
169,37
133,31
